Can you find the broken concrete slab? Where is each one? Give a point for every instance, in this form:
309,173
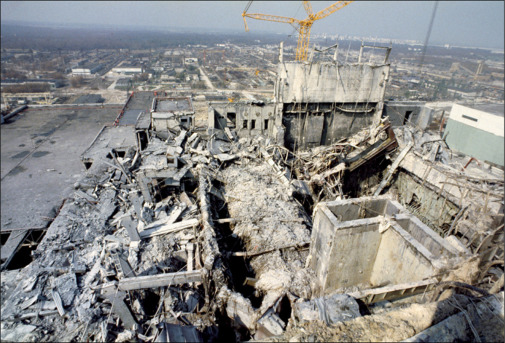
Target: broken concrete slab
270,324
131,228
180,138
66,285
85,196
125,268
331,309
58,302
20,333
239,309
178,333
462,326
122,311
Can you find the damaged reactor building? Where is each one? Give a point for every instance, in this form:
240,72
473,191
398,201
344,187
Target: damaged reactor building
326,214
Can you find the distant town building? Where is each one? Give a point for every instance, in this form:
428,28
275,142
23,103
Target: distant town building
128,69
123,83
191,60
477,131
86,70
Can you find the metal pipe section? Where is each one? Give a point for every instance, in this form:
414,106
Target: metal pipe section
13,113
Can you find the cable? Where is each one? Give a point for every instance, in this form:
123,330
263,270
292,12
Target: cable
421,62
247,7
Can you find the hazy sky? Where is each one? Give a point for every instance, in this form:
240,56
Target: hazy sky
469,23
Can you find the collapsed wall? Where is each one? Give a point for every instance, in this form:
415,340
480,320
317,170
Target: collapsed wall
314,104
323,102
449,197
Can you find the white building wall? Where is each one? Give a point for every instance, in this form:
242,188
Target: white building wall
478,119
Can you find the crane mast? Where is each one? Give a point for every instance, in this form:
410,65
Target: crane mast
302,26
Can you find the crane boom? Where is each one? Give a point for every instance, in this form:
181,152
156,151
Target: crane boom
270,17
331,9
308,8
304,26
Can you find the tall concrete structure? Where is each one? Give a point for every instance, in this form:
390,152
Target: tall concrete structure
323,102
315,103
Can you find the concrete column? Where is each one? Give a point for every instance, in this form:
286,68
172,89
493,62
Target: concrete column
190,247
360,53
281,49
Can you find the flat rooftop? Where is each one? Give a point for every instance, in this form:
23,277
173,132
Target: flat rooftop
40,159
173,105
496,109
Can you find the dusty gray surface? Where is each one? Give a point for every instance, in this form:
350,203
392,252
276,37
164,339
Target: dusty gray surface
174,105
40,159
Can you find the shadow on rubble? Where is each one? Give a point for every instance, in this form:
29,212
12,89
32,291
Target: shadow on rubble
239,268
361,181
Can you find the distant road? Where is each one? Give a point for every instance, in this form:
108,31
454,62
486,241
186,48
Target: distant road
206,79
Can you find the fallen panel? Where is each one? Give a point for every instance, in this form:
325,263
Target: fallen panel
12,245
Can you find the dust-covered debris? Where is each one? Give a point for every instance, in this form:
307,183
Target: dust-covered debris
178,234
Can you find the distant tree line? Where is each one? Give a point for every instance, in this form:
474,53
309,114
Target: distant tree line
8,73
27,88
76,81
43,38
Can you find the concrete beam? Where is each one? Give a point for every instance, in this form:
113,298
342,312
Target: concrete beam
370,296
164,229
160,280
392,169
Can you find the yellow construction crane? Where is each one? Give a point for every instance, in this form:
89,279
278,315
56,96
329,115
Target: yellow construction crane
303,26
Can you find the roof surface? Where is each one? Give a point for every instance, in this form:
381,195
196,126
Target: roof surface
496,109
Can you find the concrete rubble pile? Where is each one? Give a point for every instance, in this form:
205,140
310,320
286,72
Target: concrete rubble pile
205,237
473,193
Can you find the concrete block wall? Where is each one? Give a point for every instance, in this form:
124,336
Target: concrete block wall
352,255
249,120
403,112
400,259
330,82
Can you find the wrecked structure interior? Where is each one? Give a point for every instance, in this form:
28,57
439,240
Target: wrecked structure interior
309,218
